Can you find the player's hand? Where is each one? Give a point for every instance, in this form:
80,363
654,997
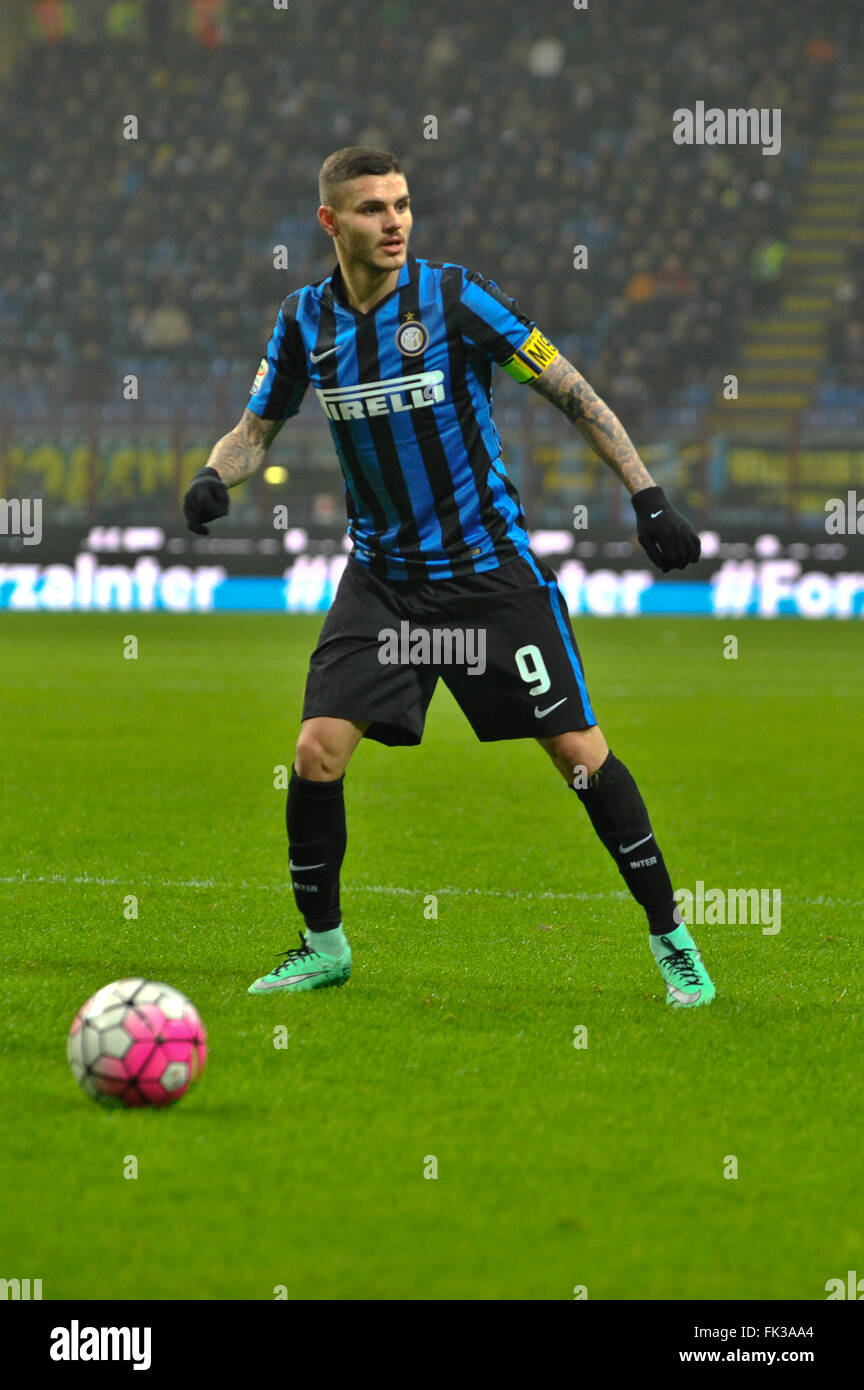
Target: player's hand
665,535
206,499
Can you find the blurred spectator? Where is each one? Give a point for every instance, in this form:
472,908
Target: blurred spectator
642,285
820,51
766,264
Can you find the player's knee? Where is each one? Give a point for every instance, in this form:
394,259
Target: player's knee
317,758
580,749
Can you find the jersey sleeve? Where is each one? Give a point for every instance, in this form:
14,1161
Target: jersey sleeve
281,381
493,324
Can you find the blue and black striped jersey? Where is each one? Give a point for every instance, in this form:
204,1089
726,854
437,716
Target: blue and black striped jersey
407,392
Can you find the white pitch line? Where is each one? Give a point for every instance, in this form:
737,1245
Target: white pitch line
23,880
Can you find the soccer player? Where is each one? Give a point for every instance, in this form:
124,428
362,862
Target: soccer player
399,351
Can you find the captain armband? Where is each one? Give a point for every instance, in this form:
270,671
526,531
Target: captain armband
532,358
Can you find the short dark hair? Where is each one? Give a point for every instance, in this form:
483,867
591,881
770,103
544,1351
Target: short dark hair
352,163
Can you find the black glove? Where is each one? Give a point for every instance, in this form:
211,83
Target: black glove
665,535
206,499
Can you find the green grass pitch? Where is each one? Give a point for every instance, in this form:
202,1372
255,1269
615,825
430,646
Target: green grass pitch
558,1167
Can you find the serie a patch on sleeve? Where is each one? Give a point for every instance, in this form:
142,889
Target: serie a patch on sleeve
532,358
259,378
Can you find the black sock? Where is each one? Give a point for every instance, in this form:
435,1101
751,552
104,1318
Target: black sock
315,820
620,818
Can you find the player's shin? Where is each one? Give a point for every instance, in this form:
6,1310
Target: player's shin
620,818
618,814
315,821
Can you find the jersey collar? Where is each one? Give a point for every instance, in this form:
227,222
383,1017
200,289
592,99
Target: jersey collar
335,287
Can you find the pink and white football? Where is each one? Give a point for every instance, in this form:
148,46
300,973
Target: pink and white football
136,1043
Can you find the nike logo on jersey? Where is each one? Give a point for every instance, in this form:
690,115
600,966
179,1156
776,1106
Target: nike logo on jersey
318,356
653,514
541,713
625,849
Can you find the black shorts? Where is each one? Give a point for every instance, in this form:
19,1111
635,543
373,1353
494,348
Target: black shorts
501,641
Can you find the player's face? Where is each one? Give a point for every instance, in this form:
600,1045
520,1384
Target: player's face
374,221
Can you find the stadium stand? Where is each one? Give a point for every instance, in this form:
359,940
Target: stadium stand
154,255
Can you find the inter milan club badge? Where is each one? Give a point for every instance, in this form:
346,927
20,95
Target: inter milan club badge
412,337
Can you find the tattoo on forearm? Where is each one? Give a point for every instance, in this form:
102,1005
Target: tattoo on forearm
567,389
237,455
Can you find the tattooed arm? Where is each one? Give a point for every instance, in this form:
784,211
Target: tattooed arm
237,455
561,384
667,538
233,458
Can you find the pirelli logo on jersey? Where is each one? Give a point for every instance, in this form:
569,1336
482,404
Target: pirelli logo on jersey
389,397
532,358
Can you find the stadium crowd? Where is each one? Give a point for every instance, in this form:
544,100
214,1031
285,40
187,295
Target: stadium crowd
158,250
